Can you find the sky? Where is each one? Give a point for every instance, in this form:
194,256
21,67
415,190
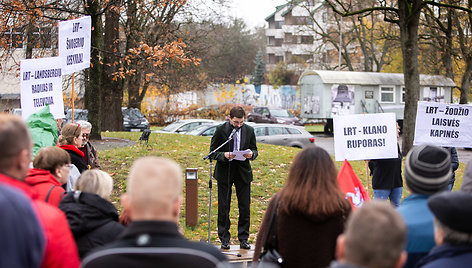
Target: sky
254,11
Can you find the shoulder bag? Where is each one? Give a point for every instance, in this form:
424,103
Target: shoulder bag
270,257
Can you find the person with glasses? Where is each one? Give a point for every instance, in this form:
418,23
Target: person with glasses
90,153
229,171
70,140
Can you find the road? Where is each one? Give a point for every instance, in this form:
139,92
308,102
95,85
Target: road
327,143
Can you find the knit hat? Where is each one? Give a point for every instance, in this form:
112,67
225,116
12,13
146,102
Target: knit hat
427,169
453,209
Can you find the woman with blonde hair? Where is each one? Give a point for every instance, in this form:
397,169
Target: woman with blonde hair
50,172
93,219
311,212
69,140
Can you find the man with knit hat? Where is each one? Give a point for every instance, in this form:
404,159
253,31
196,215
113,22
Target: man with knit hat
452,231
427,171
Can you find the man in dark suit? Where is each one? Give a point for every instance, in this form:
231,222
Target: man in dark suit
229,171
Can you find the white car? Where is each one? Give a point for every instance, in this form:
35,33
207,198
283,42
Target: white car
183,126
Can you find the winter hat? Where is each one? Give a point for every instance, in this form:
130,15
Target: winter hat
453,209
427,169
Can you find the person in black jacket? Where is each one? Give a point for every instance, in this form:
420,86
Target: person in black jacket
387,180
454,166
153,199
92,217
229,171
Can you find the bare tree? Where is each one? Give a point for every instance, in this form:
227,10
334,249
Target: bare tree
405,14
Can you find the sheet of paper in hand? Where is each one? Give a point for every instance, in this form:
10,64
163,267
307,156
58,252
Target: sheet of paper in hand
239,155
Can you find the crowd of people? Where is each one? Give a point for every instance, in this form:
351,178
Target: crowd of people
51,217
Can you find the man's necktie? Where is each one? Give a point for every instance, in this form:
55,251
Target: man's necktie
235,141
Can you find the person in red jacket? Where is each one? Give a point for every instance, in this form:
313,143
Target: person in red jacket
15,159
50,172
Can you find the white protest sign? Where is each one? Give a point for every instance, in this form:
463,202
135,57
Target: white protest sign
41,84
74,44
365,136
442,124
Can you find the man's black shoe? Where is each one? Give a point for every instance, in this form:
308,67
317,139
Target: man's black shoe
244,245
224,245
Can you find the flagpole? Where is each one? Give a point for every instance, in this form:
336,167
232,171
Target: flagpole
73,97
367,176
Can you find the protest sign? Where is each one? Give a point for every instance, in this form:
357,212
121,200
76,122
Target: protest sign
442,124
365,136
41,85
74,44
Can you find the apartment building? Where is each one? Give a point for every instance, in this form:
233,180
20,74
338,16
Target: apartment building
297,34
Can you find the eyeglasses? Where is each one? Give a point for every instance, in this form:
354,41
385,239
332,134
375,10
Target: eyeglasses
85,135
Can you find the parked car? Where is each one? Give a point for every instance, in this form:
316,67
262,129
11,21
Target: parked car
15,111
277,134
183,126
205,130
281,134
273,116
79,114
133,119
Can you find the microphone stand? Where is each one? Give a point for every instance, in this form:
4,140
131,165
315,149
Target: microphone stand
209,156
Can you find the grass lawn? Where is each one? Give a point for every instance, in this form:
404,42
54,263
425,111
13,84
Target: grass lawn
315,128
269,169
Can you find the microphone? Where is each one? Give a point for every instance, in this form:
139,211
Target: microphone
232,133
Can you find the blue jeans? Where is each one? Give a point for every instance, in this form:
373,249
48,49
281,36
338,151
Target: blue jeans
394,194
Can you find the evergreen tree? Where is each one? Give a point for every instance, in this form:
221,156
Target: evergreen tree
258,76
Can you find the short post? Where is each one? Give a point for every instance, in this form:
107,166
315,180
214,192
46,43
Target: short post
191,197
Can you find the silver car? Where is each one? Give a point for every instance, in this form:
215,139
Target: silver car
286,135
183,126
277,134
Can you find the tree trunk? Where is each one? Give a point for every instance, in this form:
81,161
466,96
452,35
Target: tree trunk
112,90
409,14
92,87
134,86
132,40
29,41
465,82
447,59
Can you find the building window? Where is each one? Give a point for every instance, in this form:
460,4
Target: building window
435,94
307,39
303,20
402,98
288,56
41,38
288,38
387,94
13,38
324,17
279,24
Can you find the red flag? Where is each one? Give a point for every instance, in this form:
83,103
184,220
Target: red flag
351,186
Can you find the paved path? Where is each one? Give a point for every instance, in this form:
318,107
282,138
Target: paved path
108,143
